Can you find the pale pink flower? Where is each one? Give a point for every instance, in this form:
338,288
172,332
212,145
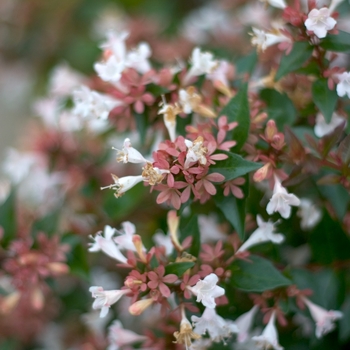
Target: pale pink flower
124,240
269,337
157,279
105,298
320,22
324,319
244,324
206,290
129,154
118,336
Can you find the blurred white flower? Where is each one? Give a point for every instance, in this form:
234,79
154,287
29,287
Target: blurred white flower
343,87
110,70
324,319
206,290
209,229
280,4
264,233
263,39
124,184
91,104
217,327
320,22
5,188
137,58
124,240
244,324
269,337
310,214
281,200
105,298
322,128
164,240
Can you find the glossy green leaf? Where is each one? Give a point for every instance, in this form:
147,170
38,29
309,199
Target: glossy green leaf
300,53
234,166
338,42
325,99
8,218
237,110
178,268
279,107
234,209
257,275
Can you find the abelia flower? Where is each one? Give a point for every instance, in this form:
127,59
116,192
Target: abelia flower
196,152
231,186
269,337
218,328
92,104
201,63
280,4
157,279
111,70
206,290
244,324
324,319
118,336
186,333
263,39
170,112
116,44
343,87
264,233
124,240
129,154
310,214
123,184
107,245
281,200
138,58
105,298
320,22
164,240
323,128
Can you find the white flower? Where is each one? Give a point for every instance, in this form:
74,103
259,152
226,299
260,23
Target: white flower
201,344
322,128
334,4
123,184
310,215
263,39
269,337
164,240
116,43
324,319
124,241
281,200
118,336
244,324
138,58
107,245
63,80
111,70
196,152
280,4
91,104
206,290
129,154
185,100
320,21
218,328
343,87
220,73
202,63
264,233
105,298
95,323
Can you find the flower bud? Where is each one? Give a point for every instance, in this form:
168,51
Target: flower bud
136,239
270,130
173,224
261,173
140,306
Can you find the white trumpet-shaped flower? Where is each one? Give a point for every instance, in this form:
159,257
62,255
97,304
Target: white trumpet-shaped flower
264,233
217,327
129,154
269,337
324,319
323,128
124,240
310,214
320,21
343,87
281,200
105,298
110,70
244,324
262,40
280,4
196,152
123,184
206,290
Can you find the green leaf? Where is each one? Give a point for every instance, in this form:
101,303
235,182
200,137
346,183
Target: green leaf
328,241
178,268
234,166
234,209
47,224
325,99
339,42
141,124
247,63
256,276
300,53
8,218
279,107
237,110
191,229
77,259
